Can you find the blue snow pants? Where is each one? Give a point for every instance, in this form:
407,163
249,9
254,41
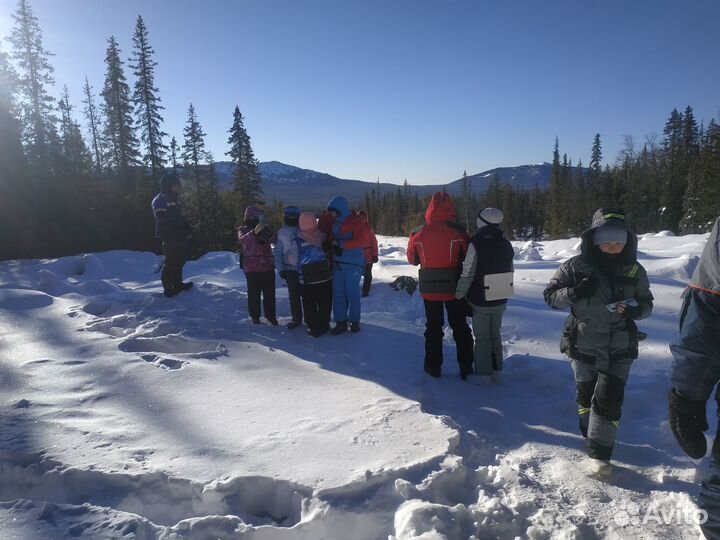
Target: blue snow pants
695,374
346,291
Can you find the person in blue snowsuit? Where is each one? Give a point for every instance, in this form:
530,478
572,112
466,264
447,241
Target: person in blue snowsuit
348,246
696,373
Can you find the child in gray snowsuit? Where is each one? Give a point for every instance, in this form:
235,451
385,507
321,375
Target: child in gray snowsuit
601,339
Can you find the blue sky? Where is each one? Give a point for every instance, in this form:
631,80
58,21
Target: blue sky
415,89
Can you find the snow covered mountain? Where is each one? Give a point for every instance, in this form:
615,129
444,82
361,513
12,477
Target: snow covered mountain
312,189
124,414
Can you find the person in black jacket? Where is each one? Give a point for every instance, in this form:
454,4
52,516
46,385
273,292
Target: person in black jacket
173,229
489,254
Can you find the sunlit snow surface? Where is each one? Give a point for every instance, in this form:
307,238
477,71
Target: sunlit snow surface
125,414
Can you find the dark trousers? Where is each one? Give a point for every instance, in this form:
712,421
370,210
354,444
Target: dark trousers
367,278
292,278
261,282
434,313
317,303
175,257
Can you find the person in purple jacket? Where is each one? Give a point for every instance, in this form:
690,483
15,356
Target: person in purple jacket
258,263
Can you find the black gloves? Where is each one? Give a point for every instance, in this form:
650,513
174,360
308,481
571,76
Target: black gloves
375,259
584,289
337,250
263,232
688,422
633,312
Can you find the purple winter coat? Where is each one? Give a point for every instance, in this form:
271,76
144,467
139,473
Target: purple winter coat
254,255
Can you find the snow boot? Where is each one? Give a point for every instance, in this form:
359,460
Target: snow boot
433,372
272,320
355,327
600,467
340,328
170,292
186,286
688,423
293,324
256,320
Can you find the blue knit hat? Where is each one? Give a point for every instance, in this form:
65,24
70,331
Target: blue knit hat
292,211
607,234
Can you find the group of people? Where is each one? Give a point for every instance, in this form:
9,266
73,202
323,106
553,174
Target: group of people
605,288
321,261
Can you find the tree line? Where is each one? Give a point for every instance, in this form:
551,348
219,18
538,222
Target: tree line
65,189
68,188
669,183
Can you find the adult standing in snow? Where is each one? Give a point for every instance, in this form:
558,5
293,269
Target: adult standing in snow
309,253
607,290
348,243
288,271
258,263
371,254
173,229
439,248
488,266
696,372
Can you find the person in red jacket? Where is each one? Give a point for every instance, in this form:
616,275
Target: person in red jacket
439,248
371,253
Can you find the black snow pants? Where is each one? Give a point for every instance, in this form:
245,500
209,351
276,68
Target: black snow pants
434,335
175,258
317,304
257,283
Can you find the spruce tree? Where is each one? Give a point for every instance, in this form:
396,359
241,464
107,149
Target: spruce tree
554,202
247,188
466,196
75,154
119,130
93,123
173,153
35,76
193,155
674,167
147,101
595,188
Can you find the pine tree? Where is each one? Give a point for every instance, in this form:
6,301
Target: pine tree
466,196
554,201
147,102
119,130
36,74
194,153
173,153
75,154
595,189
674,181
247,186
93,120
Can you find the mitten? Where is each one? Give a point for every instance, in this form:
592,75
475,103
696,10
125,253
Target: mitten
584,289
688,422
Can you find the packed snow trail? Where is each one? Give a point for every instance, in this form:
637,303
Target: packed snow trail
129,415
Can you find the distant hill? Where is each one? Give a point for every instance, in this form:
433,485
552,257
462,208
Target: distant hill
312,189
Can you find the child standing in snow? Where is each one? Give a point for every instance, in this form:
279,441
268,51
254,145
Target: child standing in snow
607,290
308,253
286,269
258,263
489,254
371,254
696,372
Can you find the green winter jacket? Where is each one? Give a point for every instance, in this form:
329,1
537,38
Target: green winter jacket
592,332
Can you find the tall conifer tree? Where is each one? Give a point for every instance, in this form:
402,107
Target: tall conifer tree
93,124
247,183
147,101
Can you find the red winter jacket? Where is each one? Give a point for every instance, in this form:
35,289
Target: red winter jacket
371,246
441,243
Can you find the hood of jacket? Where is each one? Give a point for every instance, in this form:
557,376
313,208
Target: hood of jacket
441,208
707,272
167,182
341,205
252,212
612,217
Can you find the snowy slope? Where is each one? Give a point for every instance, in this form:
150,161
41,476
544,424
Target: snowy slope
124,414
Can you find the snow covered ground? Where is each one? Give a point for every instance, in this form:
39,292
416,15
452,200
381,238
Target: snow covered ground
124,414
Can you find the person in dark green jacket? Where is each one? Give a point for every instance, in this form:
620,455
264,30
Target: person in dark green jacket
607,290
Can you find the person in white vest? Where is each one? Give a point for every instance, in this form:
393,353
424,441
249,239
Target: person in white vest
486,284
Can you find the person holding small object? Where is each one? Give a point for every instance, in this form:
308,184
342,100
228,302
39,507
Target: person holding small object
607,290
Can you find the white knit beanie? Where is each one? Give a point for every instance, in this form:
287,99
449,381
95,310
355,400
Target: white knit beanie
489,216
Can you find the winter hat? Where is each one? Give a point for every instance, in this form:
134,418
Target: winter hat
608,234
489,216
291,211
252,212
308,222
167,181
